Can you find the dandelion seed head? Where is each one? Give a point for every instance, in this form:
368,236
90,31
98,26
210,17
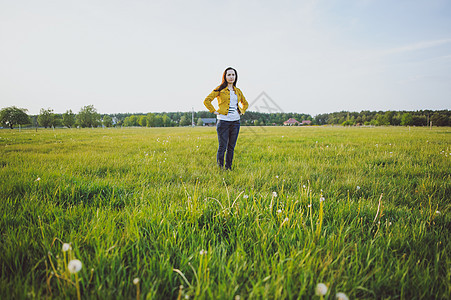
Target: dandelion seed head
136,281
309,205
437,212
321,289
203,252
358,187
341,296
286,220
303,186
66,247
277,176
274,194
38,179
74,266
245,196
321,199
279,211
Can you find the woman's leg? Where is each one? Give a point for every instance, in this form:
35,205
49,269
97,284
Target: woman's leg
222,127
233,136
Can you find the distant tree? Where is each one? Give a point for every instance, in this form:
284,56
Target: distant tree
438,119
185,121
158,121
382,120
68,118
142,121
88,117
166,121
388,116
46,117
406,119
150,120
107,121
131,121
199,122
10,116
419,120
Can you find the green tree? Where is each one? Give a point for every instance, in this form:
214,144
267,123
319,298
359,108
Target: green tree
88,117
150,120
131,121
199,122
406,119
68,118
438,119
107,121
382,120
142,121
166,121
158,121
185,121
10,116
46,117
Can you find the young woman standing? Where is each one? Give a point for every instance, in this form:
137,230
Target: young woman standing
228,115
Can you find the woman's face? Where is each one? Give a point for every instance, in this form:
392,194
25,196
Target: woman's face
230,76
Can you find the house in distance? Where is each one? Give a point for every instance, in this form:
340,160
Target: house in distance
294,122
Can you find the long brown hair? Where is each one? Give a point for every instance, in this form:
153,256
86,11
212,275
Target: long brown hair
224,80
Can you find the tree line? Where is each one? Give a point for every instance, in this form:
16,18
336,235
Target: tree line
89,117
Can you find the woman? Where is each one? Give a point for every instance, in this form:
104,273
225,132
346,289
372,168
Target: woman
228,115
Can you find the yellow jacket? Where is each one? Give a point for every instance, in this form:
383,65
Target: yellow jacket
224,101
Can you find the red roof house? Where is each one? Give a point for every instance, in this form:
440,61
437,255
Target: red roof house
291,122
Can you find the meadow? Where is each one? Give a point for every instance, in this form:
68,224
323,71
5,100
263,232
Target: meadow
366,211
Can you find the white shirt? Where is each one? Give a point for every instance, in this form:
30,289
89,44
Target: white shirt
233,114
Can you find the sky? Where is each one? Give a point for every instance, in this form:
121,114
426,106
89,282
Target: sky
304,56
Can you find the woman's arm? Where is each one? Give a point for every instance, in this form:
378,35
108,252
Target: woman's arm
207,101
244,102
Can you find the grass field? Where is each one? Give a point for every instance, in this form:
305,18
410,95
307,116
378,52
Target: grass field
366,211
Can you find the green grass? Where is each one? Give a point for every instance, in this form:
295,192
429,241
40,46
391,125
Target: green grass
148,203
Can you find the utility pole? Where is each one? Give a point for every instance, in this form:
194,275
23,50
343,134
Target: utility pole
192,117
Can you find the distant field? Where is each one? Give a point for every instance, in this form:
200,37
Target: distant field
149,203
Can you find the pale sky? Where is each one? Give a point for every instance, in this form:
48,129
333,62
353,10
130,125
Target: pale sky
152,56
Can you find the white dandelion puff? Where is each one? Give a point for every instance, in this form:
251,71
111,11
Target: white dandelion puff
203,252
245,196
341,296
309,205
358,187
274,194
303,186
74,266
279,211
38,179
321,199
286,220
437,212
66,247
321,289
277,176
136,281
